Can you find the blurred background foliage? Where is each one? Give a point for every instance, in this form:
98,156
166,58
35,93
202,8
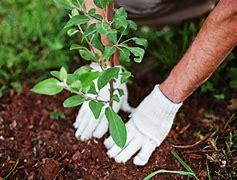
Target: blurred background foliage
32,42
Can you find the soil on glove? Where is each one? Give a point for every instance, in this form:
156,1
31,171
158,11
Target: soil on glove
35,146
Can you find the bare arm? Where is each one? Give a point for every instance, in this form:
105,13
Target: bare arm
216,39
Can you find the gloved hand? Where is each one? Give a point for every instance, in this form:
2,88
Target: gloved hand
86,125
149,125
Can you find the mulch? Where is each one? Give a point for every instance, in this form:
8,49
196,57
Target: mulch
34,146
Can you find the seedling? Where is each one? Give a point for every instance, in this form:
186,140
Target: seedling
85,81
56,114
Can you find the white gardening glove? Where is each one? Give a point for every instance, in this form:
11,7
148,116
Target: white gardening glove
86,125
149,125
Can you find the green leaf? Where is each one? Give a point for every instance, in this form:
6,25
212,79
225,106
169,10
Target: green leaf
102,28
71,78
64,3
87,79
117,127
138,53
96,108
76,84
140,41
89,31
74,12
120,19
101,3
77,20
87,55
124,55
107,76
116,98
121,92
48,87
132,25
112,35
96,42
63,74
83,69
125,76
92,89
92,11
108,52
55,74
162,171
72,31
73,101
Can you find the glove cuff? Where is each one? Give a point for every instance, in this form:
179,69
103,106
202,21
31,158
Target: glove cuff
154,116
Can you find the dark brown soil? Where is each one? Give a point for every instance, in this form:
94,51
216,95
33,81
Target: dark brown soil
33,146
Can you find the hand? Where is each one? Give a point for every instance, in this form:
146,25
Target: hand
87,126
147,128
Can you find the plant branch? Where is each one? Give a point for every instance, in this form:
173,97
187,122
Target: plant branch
111,84
87,98
87,41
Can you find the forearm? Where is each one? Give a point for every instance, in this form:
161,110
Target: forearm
216,39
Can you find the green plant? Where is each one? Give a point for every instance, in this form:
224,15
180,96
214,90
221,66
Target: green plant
85,81
189,172
56,114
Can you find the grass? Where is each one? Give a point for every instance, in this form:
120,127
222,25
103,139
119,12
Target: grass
31,41
189,172
221,159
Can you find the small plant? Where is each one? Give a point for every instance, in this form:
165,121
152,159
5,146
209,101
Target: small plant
56,114
85,81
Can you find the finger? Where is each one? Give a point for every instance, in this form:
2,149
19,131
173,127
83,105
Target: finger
115,150
109,142
87,133
129,151
143,156
83,124
81,114
101,129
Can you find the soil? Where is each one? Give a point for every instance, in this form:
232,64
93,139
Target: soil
34,146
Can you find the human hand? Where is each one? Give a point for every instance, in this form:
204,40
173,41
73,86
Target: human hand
86,125
146,130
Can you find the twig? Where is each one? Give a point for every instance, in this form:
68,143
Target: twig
87,41
195,144
111,84
83,95
14,167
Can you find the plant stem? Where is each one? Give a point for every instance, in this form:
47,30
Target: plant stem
111,84
109,14
87,41
83,95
